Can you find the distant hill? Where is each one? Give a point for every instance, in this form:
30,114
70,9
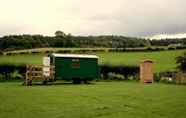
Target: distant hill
16,42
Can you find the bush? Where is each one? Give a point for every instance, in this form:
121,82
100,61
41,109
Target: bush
64,51
24,52
171,48
98,50
159,49
10,53
9,72
149,49
48,51
157,77
165,77
124,70
82,51
167,80
135,50
114,76
1,53
116,50
16,75
2,78
181,47
34,52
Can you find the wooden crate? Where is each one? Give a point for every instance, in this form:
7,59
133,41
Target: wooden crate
35,73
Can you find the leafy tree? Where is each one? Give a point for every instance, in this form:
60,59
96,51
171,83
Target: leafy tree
181,61
14,42
60,34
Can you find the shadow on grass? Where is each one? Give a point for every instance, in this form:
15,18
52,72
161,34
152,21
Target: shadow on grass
60,83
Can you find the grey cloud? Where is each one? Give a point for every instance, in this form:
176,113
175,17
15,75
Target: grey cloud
118,17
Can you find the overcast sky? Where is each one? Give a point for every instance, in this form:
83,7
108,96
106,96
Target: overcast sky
93,17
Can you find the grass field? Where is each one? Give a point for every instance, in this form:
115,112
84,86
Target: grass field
74,49
54,49
98,100
164,60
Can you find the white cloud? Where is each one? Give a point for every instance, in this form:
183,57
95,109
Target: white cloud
168,36
93,17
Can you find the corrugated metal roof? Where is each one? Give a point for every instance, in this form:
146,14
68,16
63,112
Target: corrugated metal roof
74,55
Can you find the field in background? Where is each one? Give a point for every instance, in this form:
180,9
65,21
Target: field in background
76,49
101,99
164,60
54,50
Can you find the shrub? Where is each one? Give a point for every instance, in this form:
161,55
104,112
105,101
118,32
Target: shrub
149,49
82,51
63,51
171,48
10,53
24,52
98,50
181,47
2,78
165,77
48,51
159,49
133,50
181,62
9,72
34,52
114,76
124,70
1,53
157,77
167,80
116,50
16,75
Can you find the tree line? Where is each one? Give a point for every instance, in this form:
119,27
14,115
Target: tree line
15,42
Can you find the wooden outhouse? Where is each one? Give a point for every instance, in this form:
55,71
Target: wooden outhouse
146,71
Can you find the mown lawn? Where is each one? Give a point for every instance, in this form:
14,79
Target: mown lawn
164,60
97,100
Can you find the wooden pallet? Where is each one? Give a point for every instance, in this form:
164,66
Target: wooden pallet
35,73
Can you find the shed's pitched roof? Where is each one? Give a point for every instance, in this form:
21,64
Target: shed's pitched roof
147,60
74,55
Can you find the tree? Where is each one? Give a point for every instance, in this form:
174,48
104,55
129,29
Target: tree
181,61
60,34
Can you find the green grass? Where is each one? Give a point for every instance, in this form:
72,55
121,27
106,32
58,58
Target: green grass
35,59
164,60
74,49
99,100
42,50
